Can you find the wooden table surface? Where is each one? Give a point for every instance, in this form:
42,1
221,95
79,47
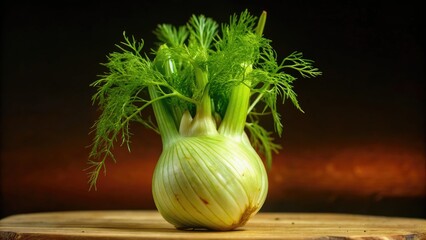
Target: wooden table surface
150,225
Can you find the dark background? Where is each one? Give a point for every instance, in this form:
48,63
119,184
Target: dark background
358,148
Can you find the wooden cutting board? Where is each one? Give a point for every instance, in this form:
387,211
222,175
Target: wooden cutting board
150,225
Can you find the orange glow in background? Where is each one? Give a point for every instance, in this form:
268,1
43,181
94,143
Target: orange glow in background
347,179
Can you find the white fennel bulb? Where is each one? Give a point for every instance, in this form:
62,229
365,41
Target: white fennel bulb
209,181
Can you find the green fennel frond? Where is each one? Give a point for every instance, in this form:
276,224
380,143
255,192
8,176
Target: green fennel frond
202,31
235,50
262,140
274,83
171,35
304,66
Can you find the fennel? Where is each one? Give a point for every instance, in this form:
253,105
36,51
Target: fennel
208,85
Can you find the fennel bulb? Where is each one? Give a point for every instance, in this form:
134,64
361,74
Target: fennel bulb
207,87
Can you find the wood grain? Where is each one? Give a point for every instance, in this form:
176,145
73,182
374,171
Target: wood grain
150,225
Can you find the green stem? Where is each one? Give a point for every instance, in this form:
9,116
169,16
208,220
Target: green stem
236,113
165,121
204,107
261,24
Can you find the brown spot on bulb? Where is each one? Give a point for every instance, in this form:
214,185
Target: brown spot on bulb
245,216
204,201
